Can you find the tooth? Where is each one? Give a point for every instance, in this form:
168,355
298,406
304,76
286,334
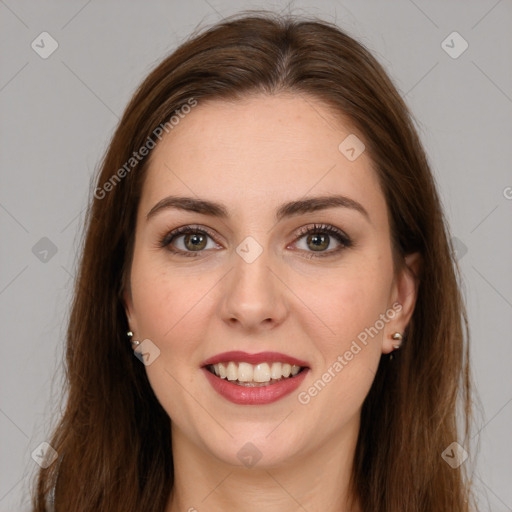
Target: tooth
295,369
245,372
232,371
286,369
261,373
275,371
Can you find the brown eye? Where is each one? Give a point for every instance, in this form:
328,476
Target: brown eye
319,237
188,241
195,242
319,242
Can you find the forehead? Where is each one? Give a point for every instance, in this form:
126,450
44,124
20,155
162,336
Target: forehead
259,151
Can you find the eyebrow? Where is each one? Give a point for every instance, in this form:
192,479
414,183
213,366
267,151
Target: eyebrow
290,209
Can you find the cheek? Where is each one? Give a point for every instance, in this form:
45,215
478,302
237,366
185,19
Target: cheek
166,305
352,308
165,301
351,352
353,302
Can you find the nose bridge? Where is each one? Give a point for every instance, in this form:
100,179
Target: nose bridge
253,294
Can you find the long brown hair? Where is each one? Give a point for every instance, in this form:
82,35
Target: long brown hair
114,439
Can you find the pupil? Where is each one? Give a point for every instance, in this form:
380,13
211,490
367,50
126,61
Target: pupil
197,240
319,241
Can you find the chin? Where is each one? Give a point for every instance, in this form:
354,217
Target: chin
256,448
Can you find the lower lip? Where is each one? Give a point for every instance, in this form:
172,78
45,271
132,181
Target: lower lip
244,395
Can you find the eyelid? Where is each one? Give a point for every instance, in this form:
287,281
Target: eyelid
183,230
332,231
323,228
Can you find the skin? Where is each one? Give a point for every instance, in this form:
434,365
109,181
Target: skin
253,155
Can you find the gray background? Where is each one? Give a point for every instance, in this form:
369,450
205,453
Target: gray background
58,114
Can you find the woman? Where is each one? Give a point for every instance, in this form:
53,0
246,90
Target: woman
266,238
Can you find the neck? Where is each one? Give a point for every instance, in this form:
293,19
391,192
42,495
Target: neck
318,480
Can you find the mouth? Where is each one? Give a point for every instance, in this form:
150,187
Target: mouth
254,379
258,375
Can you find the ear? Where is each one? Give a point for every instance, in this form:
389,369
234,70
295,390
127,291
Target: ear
403,298
128,309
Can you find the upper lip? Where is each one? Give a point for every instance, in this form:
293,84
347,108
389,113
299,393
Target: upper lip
260,357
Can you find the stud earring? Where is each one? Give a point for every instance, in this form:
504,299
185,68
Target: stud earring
396,336
135,343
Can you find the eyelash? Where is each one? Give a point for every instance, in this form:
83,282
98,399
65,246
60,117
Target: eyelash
339,235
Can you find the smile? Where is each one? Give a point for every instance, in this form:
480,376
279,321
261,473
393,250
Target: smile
246,374
254,379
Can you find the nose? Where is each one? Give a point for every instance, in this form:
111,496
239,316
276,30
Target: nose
254,294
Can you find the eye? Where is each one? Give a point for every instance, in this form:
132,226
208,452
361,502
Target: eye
319,237
188,241
191,241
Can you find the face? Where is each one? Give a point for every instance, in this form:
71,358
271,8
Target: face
266,281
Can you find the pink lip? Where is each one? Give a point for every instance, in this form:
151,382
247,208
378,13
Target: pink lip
260,357
262,395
